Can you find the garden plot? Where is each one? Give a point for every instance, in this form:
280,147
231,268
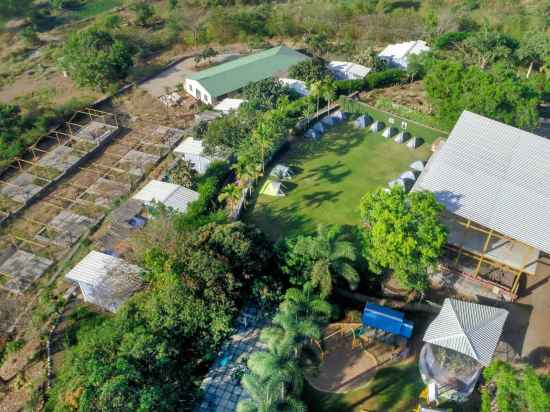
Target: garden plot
21,187
22,269
137,163
64,229
60,158
105,191
95,132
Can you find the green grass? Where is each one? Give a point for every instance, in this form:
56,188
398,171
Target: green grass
332,175
393,389
94,7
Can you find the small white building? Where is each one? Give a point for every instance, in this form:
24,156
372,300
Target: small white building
169,194
192,150
298,86
397,55
348,70
105,280
228,105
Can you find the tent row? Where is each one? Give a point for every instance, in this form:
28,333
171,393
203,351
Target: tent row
390,132
407,179
321,127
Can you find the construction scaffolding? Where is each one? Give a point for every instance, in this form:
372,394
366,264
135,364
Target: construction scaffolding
496,261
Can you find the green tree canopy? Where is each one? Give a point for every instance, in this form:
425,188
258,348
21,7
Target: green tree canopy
514,389
403,233
497,93
93,58
309,71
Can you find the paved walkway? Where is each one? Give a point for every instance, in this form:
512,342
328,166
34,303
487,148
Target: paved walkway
221,386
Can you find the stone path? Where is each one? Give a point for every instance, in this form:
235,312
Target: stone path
221,386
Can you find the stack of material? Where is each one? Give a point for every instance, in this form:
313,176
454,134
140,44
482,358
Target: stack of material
377,126
402,137
414,143
171,99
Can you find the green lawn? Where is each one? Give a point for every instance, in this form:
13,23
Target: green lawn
393,389
93,8
331,176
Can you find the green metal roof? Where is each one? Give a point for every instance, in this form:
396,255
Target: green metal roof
234,75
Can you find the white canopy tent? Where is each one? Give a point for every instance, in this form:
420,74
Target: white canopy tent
105,280
469,328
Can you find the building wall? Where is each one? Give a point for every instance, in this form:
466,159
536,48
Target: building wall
195,89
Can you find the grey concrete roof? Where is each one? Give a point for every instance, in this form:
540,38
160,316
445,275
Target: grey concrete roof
468,328
495,175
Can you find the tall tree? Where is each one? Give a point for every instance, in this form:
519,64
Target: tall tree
534,49
93,58
403,233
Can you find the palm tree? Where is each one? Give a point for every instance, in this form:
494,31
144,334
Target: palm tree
306,304
309,111
231,194
316,90
329,92
336,252
244,171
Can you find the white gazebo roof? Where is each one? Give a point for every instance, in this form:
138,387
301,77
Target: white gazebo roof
348,70
169,194
228,104
190,146
469,328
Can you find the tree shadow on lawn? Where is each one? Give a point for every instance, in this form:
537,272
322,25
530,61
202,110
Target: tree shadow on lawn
316,199
329,173
278,223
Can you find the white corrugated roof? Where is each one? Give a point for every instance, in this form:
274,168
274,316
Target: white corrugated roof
96,266
169,194
190,146
468,328
495,175
349,70
298,86
402,50
228,104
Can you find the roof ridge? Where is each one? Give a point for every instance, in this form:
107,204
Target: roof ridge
451,301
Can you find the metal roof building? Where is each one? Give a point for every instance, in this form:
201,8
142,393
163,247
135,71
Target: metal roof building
193,150
171,195
494,181
105,280
213,83
398,54
348,70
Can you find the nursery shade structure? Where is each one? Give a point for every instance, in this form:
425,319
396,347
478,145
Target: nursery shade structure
169,194
468,328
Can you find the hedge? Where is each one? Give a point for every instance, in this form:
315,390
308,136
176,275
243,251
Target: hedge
373,80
